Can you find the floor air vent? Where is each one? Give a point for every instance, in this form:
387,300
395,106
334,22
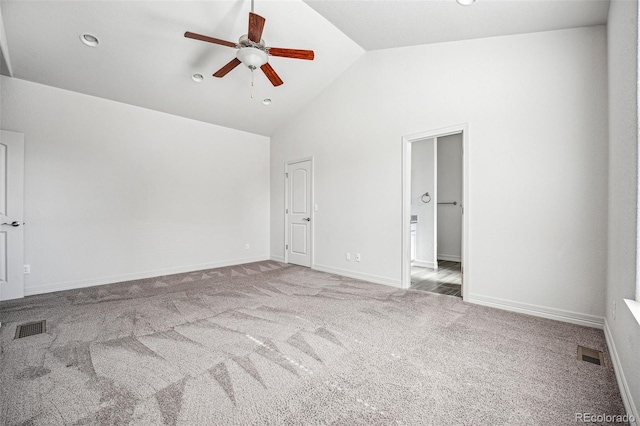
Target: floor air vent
590,355
31,329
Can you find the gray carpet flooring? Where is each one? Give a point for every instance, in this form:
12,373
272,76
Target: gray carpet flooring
268,343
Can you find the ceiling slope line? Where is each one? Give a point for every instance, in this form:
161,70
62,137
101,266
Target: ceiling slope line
5,62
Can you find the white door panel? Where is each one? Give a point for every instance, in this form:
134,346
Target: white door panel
299,239
298,213
299,204
11,215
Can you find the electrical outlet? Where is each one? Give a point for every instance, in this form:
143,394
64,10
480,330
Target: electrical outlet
357,257
348,256
613,313
247,246
27,269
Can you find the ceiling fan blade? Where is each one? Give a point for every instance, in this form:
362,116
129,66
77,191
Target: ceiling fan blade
201,37
292,53
225,70
271,74
256,25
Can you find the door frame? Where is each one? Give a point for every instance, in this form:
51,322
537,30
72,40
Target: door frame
312,208
406,201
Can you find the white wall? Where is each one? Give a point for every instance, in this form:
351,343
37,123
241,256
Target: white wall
423,179
623,189
536,105
449,190
116,192
5,61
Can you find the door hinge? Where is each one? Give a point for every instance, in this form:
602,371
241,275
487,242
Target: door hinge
286,175
286,211
286,246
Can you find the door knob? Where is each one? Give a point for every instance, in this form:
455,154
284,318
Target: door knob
14,223
308,219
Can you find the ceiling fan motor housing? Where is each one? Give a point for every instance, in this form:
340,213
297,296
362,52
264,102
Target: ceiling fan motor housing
245,41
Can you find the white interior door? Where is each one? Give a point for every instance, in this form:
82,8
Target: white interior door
11,215
298,213
449,197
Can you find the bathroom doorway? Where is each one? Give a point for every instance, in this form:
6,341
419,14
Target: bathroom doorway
434,217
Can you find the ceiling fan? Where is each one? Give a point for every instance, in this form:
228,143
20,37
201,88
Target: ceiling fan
252,51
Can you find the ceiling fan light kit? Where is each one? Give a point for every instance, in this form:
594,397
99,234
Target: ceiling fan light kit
252,57
252,51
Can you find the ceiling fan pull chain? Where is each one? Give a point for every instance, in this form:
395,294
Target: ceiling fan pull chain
251,76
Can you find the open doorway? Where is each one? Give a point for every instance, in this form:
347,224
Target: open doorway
435,197
436,217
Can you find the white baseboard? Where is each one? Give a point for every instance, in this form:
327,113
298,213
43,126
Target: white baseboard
449,257
538,311
71,285
424,264
627,400
358,275
277,258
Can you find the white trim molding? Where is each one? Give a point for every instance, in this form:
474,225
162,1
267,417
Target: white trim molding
377,279
625,393
449,257
277,258
424,264
538,311
634,307
72,285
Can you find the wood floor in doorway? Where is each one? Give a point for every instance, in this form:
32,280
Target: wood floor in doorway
447,279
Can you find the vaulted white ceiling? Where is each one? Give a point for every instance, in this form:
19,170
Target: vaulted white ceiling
143,58
383,24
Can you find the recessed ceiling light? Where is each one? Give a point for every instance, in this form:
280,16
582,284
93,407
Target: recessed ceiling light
197,78
466,2
89,40
266,101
